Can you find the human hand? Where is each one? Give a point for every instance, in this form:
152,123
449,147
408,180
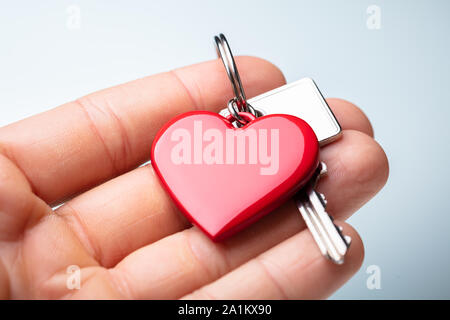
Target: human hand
120,227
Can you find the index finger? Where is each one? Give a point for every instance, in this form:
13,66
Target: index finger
85,142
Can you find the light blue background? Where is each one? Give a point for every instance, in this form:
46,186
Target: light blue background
399,75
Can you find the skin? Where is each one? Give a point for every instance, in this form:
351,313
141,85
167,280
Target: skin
121,228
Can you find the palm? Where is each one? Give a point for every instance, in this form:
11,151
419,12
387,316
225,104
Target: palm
125,235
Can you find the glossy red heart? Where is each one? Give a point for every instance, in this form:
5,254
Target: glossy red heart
223,178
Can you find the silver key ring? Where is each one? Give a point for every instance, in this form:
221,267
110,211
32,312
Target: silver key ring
234,111
224,52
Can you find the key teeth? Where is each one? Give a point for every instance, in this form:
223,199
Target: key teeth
323,168
322,198
312,208
348,240
338,261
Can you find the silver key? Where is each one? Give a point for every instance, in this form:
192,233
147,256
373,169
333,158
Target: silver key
311,204
303,99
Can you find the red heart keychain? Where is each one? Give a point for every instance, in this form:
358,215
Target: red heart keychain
224,178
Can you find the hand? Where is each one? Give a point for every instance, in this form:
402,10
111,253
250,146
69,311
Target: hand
120,227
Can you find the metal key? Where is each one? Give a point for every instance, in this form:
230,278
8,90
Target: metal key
303,99
311,204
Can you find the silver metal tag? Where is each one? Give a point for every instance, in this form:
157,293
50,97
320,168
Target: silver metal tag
302,99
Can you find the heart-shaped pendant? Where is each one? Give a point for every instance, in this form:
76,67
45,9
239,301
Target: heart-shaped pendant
224,178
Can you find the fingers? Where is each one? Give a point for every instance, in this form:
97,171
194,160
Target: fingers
357,169
357,121
294,269
191,260
85,142
123,215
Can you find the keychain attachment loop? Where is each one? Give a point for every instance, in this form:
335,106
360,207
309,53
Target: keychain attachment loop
235,112
244,118
239,103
